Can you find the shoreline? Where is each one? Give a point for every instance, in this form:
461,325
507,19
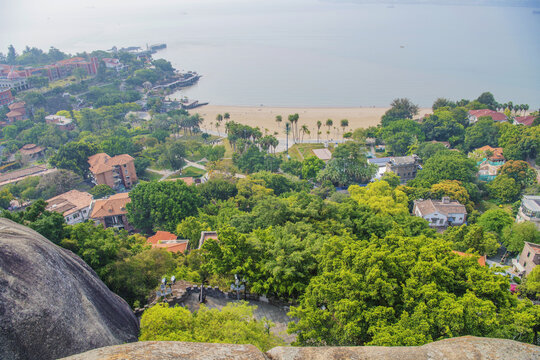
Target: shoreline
264,117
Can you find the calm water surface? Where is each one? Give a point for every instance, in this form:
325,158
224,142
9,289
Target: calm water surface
305,52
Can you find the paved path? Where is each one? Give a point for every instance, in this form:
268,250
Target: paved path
194,164
164,173
278,315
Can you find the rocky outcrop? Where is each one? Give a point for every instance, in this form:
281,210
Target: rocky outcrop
51,303
169,350
462,348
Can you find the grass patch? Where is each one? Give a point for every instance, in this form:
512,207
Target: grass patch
228,149
489,204
190,171
150,176
302,151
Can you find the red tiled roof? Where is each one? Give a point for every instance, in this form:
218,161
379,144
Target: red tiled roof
17,105
497,152
161,236
114,205
13,114
525,120
173,247
495,116
101,162
120,159
30,149
481,259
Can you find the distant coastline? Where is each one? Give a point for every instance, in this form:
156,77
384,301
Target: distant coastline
265,117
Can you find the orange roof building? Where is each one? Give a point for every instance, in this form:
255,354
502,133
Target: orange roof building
497,153
116,172
168,241
162,236
112,212
17,111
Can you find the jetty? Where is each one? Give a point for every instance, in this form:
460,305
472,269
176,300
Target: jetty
192,104
187,79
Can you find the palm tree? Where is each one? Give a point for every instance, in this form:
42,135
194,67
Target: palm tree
305,130
329,124
526,107
296,117
287,130
510,106
227,116
279,119
291,120
344,124
319,124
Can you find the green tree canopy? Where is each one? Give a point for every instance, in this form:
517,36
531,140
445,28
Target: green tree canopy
233,324
483,132
398,291
449,165
162,205
515,235
495,220
101,191
347,166
74,156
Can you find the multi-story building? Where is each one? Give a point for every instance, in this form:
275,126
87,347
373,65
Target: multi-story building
529,210
117,171
13,77
13,80
74,205
6,97
17,111
111,212
528,259
440,213
404,166
490,159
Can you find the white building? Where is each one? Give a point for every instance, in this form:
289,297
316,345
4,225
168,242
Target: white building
440,213
529,210
111,63
13,80
74,205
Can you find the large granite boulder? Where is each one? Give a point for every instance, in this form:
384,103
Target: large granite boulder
51,303
165,350
462,348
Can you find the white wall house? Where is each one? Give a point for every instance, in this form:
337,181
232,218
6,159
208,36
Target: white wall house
440,213
74,205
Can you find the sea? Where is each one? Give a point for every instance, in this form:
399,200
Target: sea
307,53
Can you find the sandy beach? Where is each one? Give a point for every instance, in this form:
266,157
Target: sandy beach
265,117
